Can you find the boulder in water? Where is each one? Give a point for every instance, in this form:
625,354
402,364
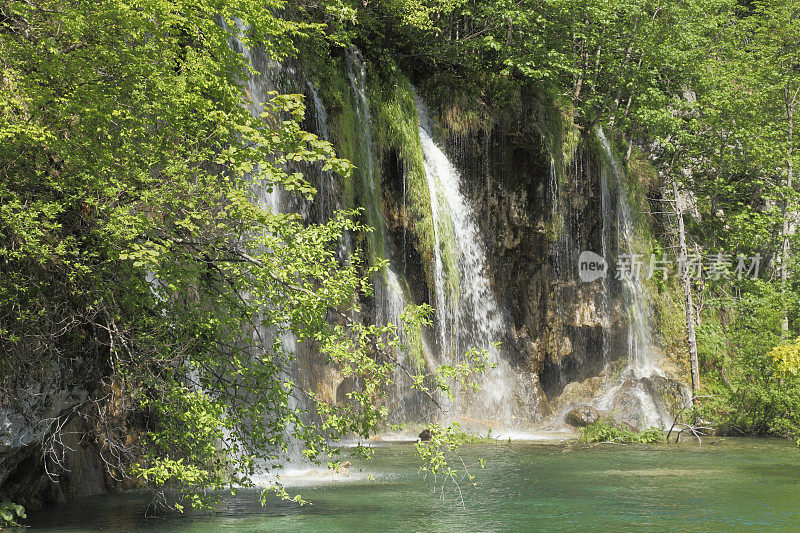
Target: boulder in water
582,416
669,395
627,407
648,401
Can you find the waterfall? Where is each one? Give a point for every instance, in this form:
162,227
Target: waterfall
561,248
390,296
357,73
326,199
467,313
258,87
388,292
641,358
364,160
640,335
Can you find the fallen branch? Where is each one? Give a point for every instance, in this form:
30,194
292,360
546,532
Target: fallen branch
689,402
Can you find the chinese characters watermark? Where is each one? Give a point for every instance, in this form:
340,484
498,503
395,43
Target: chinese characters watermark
634,267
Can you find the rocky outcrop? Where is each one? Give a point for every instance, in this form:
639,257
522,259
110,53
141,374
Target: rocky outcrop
537,212
628,402
582,416
30,421
46,454
670,395
655,397
627,405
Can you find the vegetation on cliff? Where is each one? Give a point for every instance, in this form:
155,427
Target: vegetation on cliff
137,262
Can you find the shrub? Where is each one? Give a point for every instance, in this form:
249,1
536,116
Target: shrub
10,512
605,431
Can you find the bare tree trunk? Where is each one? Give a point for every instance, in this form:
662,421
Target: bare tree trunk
618,97
787,213
687,294
623,63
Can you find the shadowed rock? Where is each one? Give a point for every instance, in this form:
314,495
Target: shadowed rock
582,416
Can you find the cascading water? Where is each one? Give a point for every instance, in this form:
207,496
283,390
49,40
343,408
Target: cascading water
326,198
561,263
640,335
390,298
571,347
607,252
365,161
467,313
273,198
257,90
641,359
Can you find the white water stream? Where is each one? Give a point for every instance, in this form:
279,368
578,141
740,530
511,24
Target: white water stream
641,356
640,334
467,313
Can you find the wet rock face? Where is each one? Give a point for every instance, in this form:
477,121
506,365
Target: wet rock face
582,416
401,231
639,401
535,227
626,406
25,425
578,393
670,395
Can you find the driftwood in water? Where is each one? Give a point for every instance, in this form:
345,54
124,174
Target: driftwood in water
696,431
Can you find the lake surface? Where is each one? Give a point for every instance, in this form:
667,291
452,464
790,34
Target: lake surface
732,484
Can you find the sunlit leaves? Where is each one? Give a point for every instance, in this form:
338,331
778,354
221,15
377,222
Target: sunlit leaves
787,357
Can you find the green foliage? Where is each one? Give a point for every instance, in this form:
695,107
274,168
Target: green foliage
605,431
10,514
441,452
787,357
671,325
139,261
754,391
414,318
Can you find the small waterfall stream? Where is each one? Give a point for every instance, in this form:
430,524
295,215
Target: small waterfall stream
326,199
365,160
641,357
467,313
390,298
258,86
640,334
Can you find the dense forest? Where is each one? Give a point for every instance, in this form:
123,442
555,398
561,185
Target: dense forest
148,289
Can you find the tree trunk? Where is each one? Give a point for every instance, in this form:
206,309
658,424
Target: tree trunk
787,213
687,294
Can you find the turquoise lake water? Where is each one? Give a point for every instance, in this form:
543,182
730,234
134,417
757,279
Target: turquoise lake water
730,484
